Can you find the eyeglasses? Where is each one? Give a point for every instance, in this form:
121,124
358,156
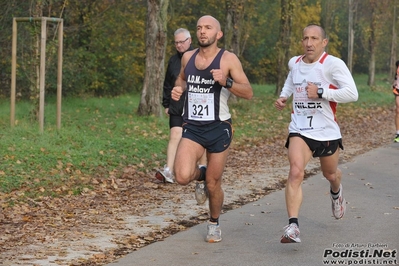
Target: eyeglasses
181,42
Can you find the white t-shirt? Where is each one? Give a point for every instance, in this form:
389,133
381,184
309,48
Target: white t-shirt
316,118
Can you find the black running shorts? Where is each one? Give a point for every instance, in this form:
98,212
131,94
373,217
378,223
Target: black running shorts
215,137
318,148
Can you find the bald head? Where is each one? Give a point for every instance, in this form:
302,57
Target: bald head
209,20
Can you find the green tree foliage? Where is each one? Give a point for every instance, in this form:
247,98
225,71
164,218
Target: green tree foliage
104,49
375,15
104,40
106,46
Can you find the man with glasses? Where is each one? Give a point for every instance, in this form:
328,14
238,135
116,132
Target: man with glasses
182,42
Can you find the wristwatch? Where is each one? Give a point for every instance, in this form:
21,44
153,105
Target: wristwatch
320,92
229,83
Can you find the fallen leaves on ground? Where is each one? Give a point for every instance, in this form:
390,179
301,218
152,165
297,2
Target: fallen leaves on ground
128,210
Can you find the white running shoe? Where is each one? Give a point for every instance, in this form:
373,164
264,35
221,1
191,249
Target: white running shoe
165,175
291,234
214,234
339,205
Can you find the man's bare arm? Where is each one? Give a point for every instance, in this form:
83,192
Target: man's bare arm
231,67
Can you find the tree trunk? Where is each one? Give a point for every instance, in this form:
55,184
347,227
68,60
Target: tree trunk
392,67
371,79
283,45
327,15
235,15
372,47
156,32
36,11
351,33
232,32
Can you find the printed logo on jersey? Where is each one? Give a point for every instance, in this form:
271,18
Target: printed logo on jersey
200,81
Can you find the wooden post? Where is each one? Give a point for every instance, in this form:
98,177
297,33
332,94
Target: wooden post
42,73
13,71
59,72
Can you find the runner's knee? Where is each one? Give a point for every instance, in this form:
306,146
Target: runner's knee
332,175
296,174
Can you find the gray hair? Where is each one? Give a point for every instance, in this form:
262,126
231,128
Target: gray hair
183,30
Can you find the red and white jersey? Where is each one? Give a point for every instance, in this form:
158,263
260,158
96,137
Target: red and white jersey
316,118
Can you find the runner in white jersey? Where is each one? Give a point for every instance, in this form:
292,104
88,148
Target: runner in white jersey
209,75
317,82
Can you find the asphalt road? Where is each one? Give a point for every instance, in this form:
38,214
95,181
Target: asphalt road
367,235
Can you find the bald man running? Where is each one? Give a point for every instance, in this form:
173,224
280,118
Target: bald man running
209,74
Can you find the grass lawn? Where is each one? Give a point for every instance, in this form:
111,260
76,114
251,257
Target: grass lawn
99,136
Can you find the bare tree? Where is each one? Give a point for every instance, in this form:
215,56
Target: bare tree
156,35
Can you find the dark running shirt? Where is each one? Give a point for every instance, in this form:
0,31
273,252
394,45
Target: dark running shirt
172,72
206,100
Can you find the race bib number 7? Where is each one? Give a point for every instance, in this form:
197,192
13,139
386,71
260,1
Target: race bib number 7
307,121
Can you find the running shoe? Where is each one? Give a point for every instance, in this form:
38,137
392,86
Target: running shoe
201,192
214,234
338,205
291,234
165,175
396,139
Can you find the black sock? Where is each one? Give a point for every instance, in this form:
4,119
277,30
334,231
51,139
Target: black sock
214,220
334,195
202,174
293,220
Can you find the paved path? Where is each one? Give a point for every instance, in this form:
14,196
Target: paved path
251,233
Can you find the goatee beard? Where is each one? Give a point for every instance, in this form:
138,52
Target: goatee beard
204,44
